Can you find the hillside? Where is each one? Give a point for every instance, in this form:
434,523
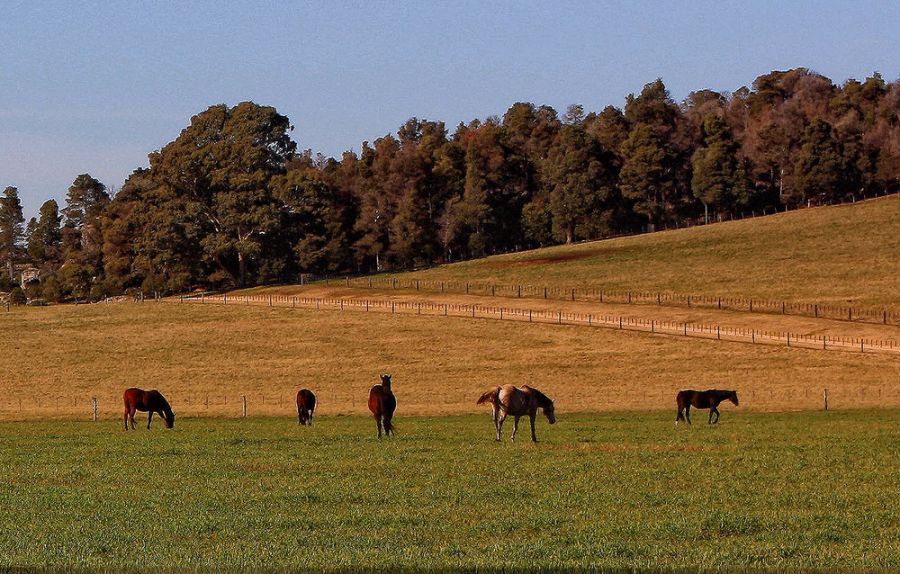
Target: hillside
840,255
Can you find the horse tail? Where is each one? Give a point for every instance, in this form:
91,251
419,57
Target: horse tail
388,426
488,397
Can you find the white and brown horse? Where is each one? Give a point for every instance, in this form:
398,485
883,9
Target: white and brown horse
518,402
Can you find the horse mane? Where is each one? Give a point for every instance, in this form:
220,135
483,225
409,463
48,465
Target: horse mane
542,400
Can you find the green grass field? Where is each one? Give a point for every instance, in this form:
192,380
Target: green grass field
837,255
788,490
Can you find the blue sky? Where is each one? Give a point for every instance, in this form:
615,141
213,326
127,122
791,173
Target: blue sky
92,87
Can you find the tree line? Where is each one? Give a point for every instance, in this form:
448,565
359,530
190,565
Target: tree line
232,202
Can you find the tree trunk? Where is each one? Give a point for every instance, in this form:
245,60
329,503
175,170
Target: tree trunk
242,270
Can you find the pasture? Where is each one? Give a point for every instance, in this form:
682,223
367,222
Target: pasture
846,254
620,489
204,357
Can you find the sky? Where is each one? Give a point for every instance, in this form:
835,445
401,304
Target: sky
93,87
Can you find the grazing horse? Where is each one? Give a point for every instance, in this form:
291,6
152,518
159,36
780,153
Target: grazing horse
702,400
510,400
147,401
306,406
382,403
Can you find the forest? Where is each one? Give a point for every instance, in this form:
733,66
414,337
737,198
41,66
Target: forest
232,202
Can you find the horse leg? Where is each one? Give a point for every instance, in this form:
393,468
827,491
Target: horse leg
515,428
131,412
149,418
531,418
687,413
713,411
299,416
378,422
500,424
125,417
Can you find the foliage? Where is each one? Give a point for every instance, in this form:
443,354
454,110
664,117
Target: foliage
231,202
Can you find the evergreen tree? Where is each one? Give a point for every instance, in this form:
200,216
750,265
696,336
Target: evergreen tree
44,238
718,179
11,232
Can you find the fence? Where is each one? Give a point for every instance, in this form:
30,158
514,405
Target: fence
108,407
755,336
594,295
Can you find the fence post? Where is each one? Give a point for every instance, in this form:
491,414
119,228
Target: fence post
850,314
392,307
589,319
244,406
94,405
529,315
751,305
825,396
467,288
689,300
718,333
884,317
816,310
573,294
788,334
520,296
824,342
601,295
545,292
492,291
620,322
560,318
782,307
753,336
652,326
348,281
629,297
445,309
720,302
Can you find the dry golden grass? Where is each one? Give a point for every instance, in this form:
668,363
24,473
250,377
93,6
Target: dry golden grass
795,324
60,356
839,255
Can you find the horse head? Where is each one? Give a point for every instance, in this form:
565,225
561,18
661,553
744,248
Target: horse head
733,398
549,412
386,381
169,418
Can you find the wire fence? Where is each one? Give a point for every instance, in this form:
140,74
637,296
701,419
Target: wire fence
630,297
107,406
619,322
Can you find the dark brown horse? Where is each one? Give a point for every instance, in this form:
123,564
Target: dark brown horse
306,406
510,400
702,400
147,401
382,403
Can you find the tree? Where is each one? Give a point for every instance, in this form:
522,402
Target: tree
578,175
718,178
82,237
44,238
222,164
820,169
11,232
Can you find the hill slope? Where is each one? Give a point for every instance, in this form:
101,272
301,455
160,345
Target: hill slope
840,254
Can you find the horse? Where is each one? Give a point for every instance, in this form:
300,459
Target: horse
306,406
382,403
702,400
147,401
511,400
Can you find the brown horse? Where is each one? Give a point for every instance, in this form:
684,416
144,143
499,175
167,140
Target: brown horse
510,400
702,400
382,403
306,406
147,401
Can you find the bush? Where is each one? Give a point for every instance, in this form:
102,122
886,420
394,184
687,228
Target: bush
17,296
